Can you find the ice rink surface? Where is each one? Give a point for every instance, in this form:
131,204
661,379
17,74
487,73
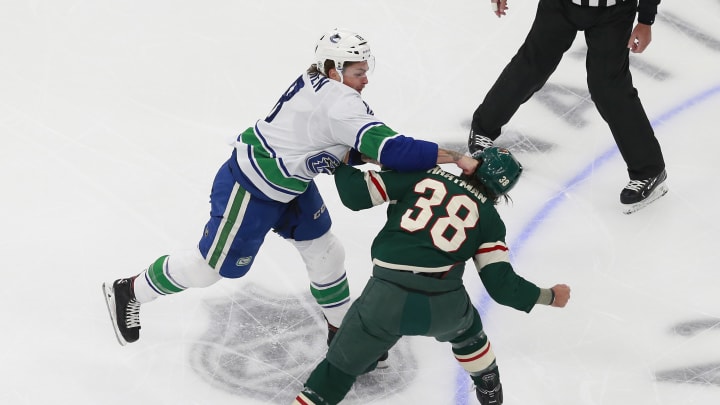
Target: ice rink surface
115,116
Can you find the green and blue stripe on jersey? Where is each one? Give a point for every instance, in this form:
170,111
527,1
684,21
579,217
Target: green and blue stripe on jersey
374,139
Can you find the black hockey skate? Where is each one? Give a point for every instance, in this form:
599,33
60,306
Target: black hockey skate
124,310
477,142
639,193
488,387
382,361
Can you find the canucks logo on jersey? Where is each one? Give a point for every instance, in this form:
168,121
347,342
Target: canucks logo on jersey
322,162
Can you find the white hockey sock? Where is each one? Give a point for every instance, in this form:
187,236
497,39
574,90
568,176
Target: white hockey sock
173,274
324,258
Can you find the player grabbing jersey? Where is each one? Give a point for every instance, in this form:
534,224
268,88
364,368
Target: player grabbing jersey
267,184
436,221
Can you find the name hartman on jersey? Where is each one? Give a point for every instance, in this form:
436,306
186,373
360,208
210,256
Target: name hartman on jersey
462,183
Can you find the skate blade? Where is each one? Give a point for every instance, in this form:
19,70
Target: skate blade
657,193
110,302
382,364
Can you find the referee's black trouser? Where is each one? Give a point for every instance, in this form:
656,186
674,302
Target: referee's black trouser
607,31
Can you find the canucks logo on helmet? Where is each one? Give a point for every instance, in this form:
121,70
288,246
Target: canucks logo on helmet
341,46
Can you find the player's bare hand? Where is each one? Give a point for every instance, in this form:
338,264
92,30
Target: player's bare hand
368,159
562,295
467,164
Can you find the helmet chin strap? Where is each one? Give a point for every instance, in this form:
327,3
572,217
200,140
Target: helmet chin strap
339,69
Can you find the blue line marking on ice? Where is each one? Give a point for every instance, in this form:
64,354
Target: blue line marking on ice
461,380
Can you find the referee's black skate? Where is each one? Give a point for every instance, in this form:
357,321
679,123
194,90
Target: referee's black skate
488,388
124,309
639,193
477,142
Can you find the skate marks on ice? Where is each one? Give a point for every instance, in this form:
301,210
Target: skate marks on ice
692,328
691,30
263,346
515,141
638,64
706,373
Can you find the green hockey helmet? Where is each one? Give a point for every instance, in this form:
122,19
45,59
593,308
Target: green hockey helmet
498,170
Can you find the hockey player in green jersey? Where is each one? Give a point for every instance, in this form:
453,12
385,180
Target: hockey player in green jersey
436,221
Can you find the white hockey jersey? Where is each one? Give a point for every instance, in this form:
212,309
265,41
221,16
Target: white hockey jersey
309,131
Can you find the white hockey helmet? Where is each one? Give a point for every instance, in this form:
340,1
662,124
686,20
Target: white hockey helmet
342,46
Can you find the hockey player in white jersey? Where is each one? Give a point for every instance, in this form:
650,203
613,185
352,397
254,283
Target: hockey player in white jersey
267,184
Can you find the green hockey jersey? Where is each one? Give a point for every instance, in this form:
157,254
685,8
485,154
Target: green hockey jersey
435,222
